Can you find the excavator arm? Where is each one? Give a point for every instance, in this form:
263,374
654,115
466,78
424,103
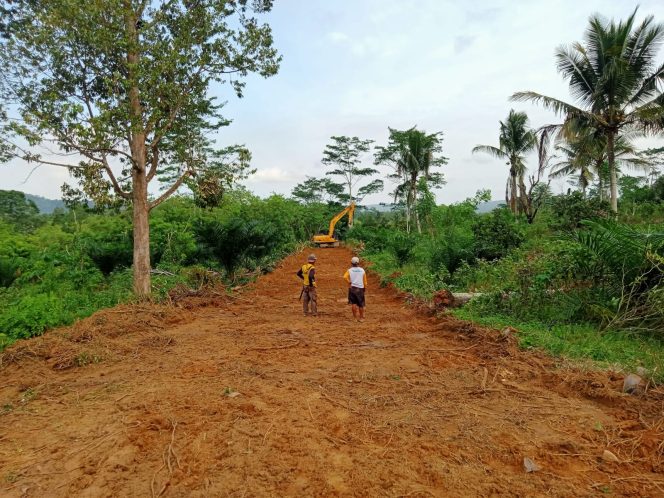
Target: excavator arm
350,210
329,239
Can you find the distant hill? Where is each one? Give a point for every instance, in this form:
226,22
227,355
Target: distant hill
483,207
487,207
46,206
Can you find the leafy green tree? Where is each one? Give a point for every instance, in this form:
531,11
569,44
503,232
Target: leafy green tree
634,190
123,85
316,190
630,265
6,147
654,157
515,140
412,153
575,164
345,154
658,189
570,210
615,78
17,210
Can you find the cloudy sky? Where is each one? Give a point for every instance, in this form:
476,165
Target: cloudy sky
355,67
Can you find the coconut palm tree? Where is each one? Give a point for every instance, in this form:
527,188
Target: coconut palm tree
615,80
412,153
516,139
573,164
584,154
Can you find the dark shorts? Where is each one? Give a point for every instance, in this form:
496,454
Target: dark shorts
356,296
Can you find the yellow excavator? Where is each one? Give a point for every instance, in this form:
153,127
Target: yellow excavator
330,238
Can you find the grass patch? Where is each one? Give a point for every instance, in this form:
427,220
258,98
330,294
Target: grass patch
581,342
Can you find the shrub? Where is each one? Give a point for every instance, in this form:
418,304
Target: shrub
570,210
233,241
107,241
496,234
31,315
401,245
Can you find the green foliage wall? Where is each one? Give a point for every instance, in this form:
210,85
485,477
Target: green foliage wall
76,262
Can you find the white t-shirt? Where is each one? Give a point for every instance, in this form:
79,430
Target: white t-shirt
356,275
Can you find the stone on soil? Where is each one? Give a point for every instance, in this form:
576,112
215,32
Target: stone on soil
529,465
633,384
607,456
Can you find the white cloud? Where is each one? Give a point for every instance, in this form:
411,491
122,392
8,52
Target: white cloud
273,174
338,37
355,68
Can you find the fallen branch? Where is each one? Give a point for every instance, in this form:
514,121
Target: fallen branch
154,495
162,272
166,461
267,432
486,374
369,345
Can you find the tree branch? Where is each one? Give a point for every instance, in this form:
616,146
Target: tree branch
154,163
114,181
170,191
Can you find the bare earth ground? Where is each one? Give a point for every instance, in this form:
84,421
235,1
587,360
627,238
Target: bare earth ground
243,396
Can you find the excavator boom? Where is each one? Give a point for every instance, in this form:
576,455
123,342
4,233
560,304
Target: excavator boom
329,240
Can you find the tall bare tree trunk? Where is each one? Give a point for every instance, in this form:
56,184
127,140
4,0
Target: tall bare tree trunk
413,186
350,197
513,206
141,227
524,203
141,206
407,216
610,151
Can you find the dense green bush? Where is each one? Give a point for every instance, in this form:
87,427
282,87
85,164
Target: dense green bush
496,234
400,244
562,269
570,210
234,241
107,241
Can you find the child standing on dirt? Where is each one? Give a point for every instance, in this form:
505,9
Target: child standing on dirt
308,295
357,283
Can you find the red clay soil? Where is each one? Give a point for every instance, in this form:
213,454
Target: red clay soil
244,396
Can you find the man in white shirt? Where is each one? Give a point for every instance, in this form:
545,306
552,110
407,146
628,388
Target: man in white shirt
357,283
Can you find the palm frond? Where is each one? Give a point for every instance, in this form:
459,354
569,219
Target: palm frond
621,249
491,150
558,106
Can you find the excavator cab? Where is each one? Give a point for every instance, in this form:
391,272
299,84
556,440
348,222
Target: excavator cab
330,238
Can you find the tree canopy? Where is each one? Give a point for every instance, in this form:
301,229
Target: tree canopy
515,140
412,153
344,155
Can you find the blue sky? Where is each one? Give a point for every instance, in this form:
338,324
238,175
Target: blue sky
357,67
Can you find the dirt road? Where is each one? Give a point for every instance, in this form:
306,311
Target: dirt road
246,397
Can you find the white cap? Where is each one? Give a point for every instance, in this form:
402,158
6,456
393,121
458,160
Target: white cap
355,260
